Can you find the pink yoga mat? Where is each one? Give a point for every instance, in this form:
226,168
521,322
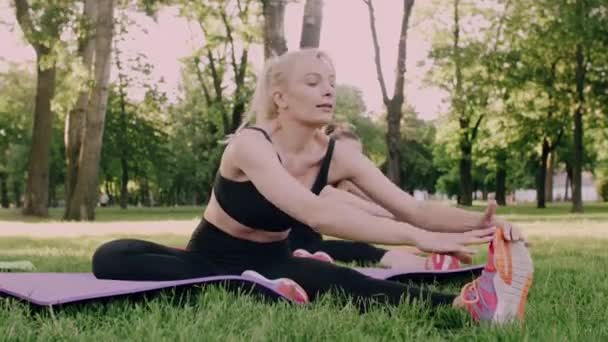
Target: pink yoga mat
46,289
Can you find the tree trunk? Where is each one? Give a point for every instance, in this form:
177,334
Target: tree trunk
85,194
37,188
311,24
124,180
501,179
568,186
274,30
542,175
466,179
4,201
393,105
17,193
145,192
549,179
75,120
393,141
577,200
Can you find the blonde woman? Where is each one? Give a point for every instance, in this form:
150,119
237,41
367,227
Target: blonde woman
263,187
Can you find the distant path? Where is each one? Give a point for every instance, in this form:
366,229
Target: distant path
589,229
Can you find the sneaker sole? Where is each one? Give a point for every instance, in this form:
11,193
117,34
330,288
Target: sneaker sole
513,279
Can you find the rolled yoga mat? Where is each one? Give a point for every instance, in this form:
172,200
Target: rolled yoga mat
48,289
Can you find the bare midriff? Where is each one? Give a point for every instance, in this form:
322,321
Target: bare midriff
215,215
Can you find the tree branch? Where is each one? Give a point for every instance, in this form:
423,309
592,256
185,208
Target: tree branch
201,80
476,127
230,40
401,54
25,21
372,23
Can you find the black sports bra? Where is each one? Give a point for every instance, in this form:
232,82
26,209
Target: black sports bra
244,203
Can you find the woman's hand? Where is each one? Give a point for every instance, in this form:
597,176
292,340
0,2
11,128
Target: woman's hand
454,243
490,219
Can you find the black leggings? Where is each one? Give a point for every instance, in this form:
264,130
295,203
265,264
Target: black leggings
213,252
344,251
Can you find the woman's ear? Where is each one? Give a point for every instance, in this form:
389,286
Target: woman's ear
279,100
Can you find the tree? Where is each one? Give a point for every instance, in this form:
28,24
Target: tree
275,43
394,104
75,119
42,24
311,24
85,191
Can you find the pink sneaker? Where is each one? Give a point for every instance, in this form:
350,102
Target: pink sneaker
321,256
441,262
286,287
499,295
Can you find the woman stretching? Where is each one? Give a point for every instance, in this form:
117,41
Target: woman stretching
263,187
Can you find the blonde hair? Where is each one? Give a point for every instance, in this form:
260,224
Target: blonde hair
275,76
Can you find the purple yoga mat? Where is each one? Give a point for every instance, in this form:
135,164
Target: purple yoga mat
47,289
404,274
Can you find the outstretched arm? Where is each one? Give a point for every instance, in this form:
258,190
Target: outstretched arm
337,194
256,158
429,216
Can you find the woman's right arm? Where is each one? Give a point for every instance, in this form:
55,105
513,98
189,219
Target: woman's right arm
338,194
255,157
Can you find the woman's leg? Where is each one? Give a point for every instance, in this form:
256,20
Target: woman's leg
364,253
317,278
130,259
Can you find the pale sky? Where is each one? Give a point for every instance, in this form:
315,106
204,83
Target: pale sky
345,35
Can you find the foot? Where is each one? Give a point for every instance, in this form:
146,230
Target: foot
441,262
321,256
286,287
499,295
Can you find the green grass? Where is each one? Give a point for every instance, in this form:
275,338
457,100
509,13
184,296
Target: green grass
597,211
567,303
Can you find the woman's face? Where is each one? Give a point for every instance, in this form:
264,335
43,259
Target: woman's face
309,95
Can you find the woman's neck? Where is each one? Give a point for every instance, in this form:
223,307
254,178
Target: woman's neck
293,137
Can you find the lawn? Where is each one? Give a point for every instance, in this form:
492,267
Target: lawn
568,301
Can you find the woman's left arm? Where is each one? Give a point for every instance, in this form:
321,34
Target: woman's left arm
429,216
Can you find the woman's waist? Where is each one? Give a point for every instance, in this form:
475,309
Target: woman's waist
215,215
217,244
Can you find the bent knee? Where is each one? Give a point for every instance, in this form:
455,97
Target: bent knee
108,256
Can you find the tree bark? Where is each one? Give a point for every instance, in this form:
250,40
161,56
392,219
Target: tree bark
577,200
549,179
4,201
37,188
393,105
542,175
74,125
568,185
311,24
501,179
17,193
85,194
274,30
466,179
